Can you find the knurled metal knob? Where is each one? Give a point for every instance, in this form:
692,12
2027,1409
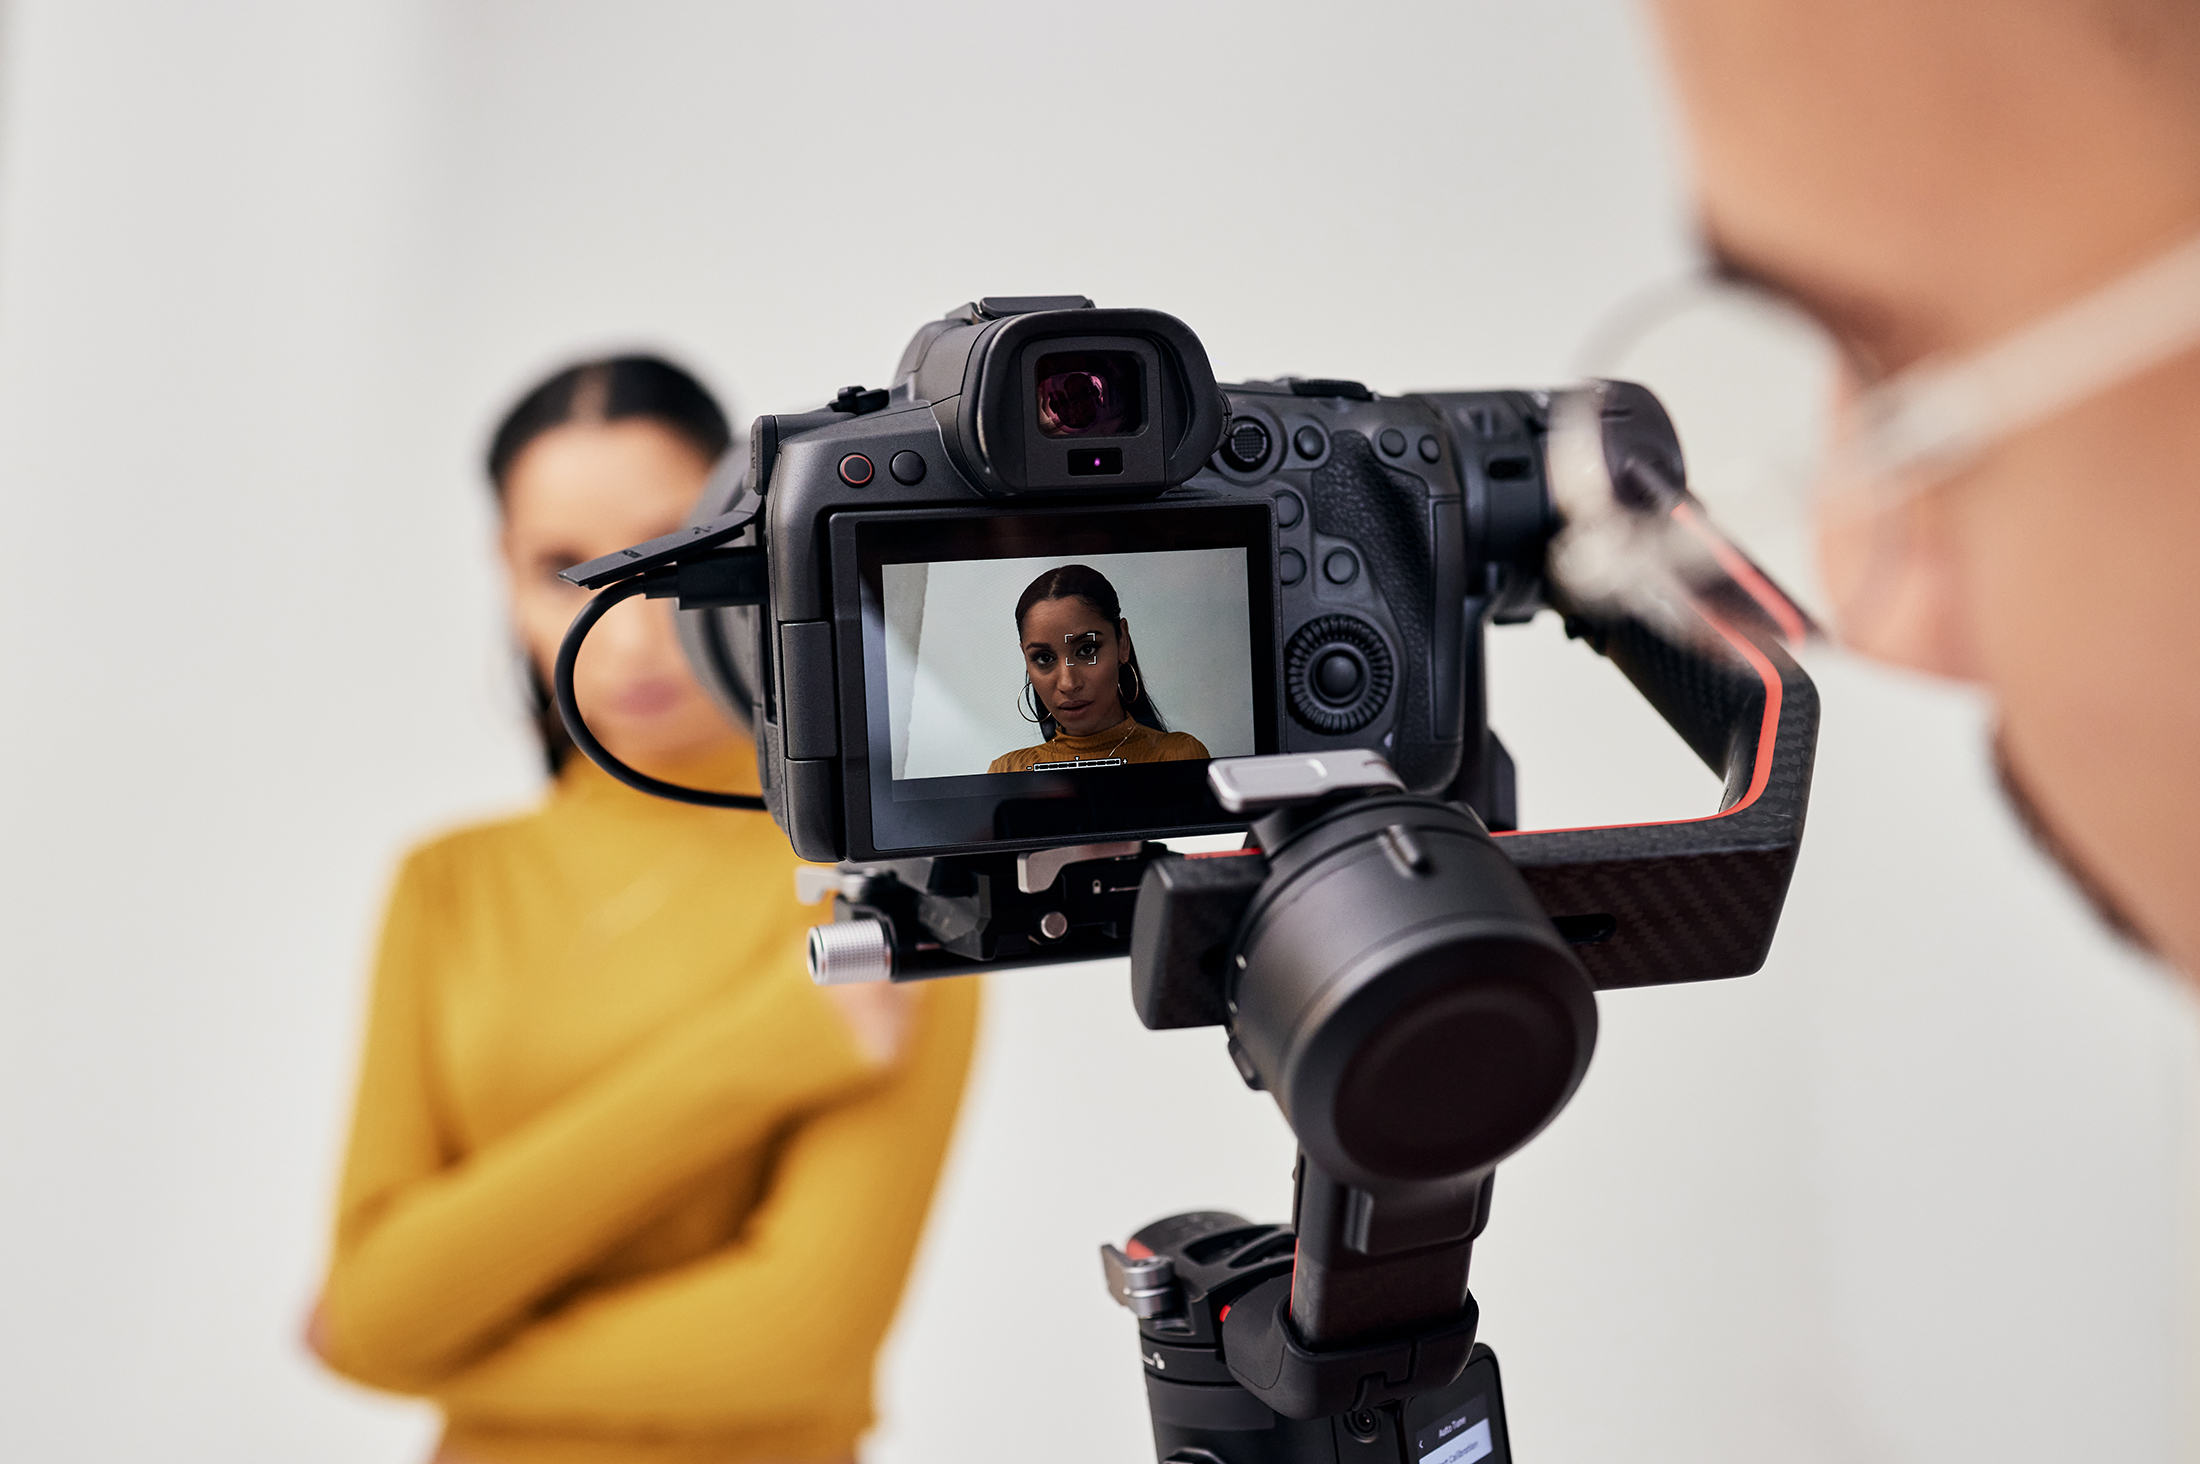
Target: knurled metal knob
847,952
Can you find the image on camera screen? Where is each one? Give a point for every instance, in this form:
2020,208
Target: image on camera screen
1018,665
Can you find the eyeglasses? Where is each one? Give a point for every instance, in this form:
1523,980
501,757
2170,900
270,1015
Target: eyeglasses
1758,393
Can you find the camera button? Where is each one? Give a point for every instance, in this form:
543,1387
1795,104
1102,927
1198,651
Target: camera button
1338,677
1342,567
1338,672
1290,566
1393,442
1246,448
1429,450
1309,441
1290,508
855,470
906,466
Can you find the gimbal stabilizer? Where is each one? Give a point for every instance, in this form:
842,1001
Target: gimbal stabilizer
1417,993
1412,980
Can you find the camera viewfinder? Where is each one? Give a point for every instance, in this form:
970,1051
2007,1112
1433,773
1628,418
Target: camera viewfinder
1090,394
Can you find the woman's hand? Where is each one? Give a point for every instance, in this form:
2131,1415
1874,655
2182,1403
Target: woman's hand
878,1015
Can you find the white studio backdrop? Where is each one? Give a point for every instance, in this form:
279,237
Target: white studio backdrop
267,271
955,671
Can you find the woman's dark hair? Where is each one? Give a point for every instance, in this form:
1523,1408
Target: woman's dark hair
1083,582
613,389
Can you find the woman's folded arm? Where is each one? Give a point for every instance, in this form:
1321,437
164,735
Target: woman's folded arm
439,1258
781,1323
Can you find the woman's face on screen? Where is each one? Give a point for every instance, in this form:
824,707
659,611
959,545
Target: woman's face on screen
586,489
1074,658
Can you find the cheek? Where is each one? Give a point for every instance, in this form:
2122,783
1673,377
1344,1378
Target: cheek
1846,531
542,617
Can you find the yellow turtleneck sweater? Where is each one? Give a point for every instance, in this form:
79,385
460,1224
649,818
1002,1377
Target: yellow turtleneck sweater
1132,741
621,1187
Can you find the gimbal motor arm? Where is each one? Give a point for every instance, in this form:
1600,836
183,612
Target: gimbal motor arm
1406,1080
1689,899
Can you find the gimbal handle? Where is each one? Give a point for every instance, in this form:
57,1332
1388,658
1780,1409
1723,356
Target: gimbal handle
1689,899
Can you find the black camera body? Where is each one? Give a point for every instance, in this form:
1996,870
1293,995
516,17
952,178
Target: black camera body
1328,561
1377,533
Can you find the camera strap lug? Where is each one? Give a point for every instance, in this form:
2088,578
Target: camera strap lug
855,401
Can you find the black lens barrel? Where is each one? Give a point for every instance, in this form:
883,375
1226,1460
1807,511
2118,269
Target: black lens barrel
1403,994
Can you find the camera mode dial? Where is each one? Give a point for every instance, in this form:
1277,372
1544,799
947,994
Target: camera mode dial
1338,672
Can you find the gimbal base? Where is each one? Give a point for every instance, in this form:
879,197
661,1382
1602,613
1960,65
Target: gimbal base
1461,1423
1229,1381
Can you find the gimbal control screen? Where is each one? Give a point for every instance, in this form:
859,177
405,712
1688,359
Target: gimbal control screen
1460,1437
1038,675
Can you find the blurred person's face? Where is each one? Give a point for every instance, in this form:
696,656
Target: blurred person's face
1924,176
588,489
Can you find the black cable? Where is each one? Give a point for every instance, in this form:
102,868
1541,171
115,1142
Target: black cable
569,707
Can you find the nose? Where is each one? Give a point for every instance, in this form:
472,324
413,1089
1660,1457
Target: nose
1892,578
632,632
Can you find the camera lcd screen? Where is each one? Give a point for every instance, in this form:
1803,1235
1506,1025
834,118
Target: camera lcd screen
1034,677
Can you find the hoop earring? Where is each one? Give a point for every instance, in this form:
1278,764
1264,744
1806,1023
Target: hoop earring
1138,684
1030,693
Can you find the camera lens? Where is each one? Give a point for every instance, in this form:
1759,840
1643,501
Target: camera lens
1089,394
1416,1015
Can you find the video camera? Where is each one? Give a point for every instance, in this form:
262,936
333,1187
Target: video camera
1053,597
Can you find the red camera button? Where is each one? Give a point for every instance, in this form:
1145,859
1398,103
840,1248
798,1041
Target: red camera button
855,470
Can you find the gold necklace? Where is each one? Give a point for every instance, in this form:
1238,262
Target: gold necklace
1121,740
1076,761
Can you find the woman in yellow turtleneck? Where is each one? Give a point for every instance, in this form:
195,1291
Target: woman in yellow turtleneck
1083,686
622,1185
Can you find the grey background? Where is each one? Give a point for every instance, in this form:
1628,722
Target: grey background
1918,1191
953,684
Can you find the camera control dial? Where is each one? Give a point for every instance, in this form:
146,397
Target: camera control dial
1247,446
1339,672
